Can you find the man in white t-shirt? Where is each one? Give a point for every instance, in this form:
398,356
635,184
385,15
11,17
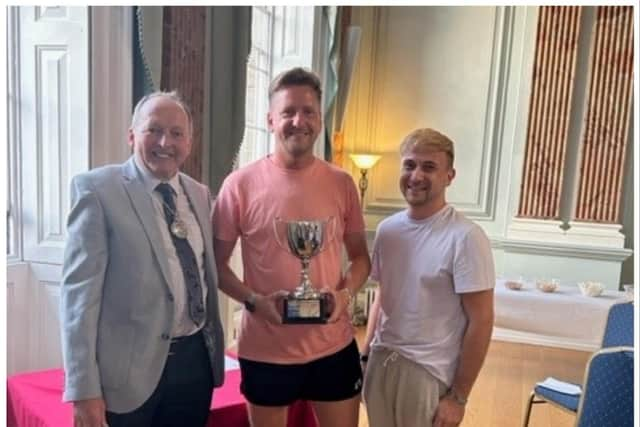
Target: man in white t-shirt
431,321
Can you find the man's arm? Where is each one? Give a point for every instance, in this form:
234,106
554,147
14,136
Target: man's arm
372,322
478,307
230,284
85,261
356,273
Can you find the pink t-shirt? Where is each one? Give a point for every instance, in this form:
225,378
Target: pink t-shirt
249,201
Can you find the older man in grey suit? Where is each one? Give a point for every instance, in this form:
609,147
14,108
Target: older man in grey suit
141,334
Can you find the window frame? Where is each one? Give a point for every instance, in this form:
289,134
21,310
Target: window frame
14,172
262,143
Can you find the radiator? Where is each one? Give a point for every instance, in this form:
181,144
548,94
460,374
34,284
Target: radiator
369,296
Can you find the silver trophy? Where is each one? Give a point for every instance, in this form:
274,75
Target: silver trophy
305,239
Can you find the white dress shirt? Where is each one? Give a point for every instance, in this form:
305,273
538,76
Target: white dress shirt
182,323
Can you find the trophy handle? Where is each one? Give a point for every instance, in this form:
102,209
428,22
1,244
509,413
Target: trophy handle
278,225
330,232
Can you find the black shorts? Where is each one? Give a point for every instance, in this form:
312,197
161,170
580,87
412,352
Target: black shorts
328,379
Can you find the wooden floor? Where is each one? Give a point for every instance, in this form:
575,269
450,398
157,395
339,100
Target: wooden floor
500,394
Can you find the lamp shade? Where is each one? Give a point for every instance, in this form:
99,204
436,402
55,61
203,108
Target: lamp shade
364,161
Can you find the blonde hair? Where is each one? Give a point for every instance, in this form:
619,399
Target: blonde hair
428,139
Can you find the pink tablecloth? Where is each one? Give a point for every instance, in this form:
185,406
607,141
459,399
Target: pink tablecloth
35,400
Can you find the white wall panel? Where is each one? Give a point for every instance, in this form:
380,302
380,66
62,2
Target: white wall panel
54,121
51,13
52,74
48,351
33,320
44,332
406,80
18,323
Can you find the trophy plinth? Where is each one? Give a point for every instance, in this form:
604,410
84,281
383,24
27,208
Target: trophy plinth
305,239
299,308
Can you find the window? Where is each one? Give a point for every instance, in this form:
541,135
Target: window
10,211
13,173
259,73
11,208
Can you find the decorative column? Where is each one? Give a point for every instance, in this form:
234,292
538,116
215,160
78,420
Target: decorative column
550,105
607,118
183,47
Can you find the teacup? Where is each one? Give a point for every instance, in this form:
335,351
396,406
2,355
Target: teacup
590,288
547,285
514,285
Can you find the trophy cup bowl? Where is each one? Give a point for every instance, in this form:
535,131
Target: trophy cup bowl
304,239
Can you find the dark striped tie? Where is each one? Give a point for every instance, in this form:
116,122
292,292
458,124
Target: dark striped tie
187,258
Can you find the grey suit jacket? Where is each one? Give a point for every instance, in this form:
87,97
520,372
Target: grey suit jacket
116,305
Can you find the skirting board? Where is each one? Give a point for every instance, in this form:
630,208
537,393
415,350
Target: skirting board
510,335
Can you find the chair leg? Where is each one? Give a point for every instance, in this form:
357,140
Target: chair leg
527,411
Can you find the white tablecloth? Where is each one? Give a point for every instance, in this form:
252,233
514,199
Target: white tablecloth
564,318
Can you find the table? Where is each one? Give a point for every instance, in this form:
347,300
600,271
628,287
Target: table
564,318
34,399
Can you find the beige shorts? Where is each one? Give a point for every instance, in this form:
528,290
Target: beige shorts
399,392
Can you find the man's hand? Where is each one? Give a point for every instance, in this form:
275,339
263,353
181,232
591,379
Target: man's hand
339,303
449,413
363,367
89,413
269,307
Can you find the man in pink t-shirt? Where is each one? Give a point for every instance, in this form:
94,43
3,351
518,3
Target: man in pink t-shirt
282,363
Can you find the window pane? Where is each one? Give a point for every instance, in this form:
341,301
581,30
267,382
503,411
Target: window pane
260,28
256,139
251,97
247,150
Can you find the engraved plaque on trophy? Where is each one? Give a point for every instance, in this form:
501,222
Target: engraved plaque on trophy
304,239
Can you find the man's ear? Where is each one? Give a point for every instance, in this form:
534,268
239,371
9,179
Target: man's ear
131,138
451,175
269,121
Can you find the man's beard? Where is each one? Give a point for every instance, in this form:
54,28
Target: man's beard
298,146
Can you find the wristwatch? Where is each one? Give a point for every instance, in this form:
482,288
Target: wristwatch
364,358
250,303
460,400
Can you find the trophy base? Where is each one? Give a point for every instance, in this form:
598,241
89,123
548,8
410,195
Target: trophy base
305,311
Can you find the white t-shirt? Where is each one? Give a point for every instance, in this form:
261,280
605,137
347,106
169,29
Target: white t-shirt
422,267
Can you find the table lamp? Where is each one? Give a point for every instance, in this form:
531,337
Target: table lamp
364,162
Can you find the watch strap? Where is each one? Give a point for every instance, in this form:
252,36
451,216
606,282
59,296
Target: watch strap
250,303
459,399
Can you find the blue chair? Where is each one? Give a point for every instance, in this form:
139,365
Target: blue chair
619,328
607,398
619,331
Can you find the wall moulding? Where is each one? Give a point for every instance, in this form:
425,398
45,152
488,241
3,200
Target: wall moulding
561,250
574,233
476,194
547,248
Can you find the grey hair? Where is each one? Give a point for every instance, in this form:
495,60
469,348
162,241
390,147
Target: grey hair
173,96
